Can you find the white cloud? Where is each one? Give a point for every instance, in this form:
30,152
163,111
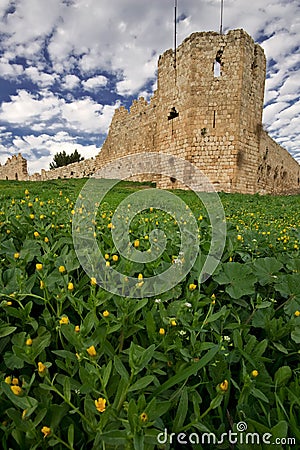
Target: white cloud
95,83
40,150
42,79
70,82
8,70
83,115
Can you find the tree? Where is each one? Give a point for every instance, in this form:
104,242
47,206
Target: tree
62,159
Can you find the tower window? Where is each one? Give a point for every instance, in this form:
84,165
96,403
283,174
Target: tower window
173,113
217,69
218,64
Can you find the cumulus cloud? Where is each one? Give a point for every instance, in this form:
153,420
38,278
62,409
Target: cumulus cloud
40,150
94,83
33,111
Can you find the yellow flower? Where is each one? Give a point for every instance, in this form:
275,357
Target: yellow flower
144,417
136,243
31,216
39,266
77,329
7,380
16,390
36,234
41,368
91,351
192,287
46,431
8,231
115,258
224,385
110,225
93,282
162,331
61,269
70,286
100,404
64,320
239,237
72,212
8,303
17,255
297,313
107,263
173,323
29,341
24,414
15,381
106,256
254,373
46,239
140,276
105,313
26,192
42,284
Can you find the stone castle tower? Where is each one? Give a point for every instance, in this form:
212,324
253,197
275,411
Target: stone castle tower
208,109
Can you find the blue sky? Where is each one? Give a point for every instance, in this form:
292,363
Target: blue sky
66,65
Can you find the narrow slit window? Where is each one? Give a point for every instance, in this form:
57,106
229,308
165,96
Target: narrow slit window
217,69
214,119
218,64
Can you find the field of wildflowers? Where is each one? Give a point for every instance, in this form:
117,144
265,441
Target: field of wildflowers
84,368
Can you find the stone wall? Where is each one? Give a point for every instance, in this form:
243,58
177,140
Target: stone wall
207,109
15,168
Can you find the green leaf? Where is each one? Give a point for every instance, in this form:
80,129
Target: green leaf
141,383
184,374
12,361
280,347
279,430
5,330
238,278
216,402
67,389
138,441
217,315
266,270
181,411
115,437
282,376
295,335
139,357
106,373
71,435
120,368
259,394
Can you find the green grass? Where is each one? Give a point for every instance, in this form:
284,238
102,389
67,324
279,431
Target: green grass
85,368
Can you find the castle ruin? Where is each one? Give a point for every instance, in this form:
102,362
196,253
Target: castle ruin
207,109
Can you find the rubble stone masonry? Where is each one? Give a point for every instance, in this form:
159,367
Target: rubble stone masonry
207,109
